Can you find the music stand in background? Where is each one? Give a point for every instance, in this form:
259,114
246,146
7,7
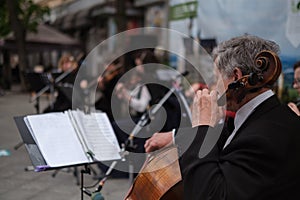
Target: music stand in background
39,83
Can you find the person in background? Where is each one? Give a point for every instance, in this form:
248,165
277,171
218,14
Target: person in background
296,85
135,96
1,80
134,92
106,84
68,68
147,62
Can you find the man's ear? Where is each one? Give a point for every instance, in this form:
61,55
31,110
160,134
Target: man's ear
237,73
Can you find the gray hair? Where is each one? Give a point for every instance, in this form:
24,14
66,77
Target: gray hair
240,52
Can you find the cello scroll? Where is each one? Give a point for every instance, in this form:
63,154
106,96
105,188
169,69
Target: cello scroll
268,68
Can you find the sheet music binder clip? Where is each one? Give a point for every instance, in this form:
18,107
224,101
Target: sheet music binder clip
90,154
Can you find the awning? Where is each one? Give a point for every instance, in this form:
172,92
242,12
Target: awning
68,21
58,22
46,38
138,3
82,18
111,10
103,10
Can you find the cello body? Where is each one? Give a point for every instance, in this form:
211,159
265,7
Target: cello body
159,178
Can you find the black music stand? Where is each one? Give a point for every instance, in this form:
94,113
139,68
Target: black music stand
43,82
39,83
32,148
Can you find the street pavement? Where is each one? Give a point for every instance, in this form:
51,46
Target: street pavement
17,183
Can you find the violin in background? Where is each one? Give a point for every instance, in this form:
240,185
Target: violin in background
112,71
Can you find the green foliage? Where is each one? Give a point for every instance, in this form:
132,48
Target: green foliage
289,94
4,21
29,14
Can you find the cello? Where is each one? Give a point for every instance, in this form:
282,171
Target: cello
160,178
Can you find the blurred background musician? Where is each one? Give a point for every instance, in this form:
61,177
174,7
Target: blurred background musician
295,106
67,67
106,84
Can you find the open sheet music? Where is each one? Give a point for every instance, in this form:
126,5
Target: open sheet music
72,137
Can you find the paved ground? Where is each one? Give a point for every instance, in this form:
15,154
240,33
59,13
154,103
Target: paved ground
16,183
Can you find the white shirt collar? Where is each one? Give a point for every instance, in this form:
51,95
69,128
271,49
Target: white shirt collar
243,113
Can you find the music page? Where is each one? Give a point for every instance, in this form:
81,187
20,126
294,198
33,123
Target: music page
56,139
99,135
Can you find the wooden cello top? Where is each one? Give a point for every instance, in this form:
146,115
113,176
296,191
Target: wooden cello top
160,178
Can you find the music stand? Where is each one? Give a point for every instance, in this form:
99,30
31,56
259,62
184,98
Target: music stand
38,162
50,84
39,83
32,148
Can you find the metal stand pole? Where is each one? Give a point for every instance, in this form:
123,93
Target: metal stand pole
86,170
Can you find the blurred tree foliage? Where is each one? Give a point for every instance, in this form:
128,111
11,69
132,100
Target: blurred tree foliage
19,17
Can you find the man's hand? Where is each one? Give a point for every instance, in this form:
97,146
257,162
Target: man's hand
205,110
158,141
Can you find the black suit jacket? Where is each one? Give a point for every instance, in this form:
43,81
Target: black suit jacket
262,162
